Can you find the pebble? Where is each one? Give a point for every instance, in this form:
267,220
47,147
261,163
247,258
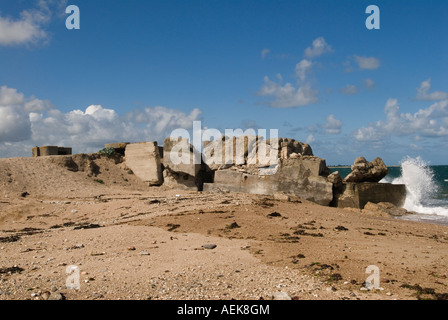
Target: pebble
56,296
281,296
144,253
209,246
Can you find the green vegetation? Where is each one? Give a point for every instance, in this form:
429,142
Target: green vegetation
107,152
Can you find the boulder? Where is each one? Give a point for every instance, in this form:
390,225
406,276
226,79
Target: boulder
364,171
384,209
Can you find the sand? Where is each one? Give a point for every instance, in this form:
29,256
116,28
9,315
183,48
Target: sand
130,241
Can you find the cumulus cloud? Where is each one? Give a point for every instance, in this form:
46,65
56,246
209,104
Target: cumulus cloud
287,95
30,26
303,68
318,48
429,122
333,125
423,92
367,63
27,122
291,95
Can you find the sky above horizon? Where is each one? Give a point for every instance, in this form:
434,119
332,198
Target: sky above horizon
137,70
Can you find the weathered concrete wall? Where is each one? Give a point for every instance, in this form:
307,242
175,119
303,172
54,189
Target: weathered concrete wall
293,176
144,160
357,195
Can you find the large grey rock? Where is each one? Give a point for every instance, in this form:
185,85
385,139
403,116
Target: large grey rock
364,171
144,160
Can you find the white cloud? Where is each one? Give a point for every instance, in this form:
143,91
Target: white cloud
423,92
9,96
367,63
349,89
27,122
429,122
264,53
333,125
287,96
30,26
303,68
318,48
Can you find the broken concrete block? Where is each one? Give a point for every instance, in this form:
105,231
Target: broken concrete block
357,195
180,156
144,160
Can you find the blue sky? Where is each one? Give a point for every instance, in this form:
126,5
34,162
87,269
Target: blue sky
138,69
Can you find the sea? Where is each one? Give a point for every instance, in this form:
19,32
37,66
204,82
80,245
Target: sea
426,187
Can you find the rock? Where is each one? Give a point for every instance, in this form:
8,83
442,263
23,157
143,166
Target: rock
144,253
281,296
335,179
281,196
56,296
209,246
383,209
364,171
274,214
45,295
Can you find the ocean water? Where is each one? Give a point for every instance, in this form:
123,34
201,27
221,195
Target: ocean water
426,186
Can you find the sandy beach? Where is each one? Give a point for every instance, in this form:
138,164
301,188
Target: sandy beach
130,241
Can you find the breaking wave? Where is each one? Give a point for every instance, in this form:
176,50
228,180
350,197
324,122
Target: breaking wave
421,186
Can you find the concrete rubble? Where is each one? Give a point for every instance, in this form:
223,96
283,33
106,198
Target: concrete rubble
250,164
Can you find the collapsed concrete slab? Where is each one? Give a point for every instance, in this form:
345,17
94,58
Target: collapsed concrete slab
291,176
144,160
357,195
